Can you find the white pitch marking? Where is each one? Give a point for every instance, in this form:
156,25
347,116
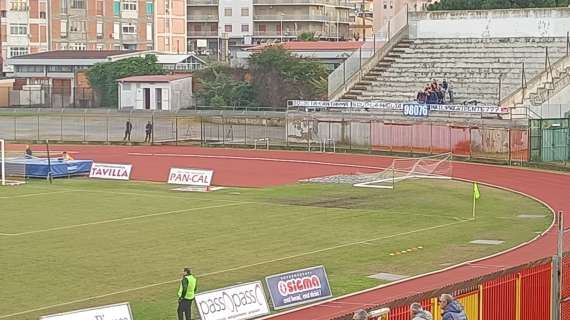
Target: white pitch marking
36,194
232,269
120,219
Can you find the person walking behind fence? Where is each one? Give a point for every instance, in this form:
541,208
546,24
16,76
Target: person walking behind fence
418,312
128,129
148,130
451,309
186,293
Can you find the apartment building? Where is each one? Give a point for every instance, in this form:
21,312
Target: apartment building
23,29
361,19
214,24
384,10
170,25
102,24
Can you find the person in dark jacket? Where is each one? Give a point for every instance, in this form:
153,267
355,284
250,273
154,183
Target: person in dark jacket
148,131
450,308
128,129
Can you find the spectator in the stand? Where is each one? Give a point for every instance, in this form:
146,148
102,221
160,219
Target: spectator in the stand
418,312
450,308
447,87
421,97
440,94
432,98
360,315
28,151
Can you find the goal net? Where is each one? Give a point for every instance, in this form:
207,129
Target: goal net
12,165
431,167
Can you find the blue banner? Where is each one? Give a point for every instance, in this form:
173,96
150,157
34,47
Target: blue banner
298,287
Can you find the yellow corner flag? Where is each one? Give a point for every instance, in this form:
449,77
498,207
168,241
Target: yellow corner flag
476,193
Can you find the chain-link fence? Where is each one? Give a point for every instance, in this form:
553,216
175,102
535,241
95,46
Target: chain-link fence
312,132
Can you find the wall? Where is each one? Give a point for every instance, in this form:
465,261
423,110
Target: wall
490,24
181,94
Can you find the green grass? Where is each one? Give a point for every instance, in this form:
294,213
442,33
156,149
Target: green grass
78,239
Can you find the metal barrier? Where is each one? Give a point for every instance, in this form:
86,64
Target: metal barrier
266,140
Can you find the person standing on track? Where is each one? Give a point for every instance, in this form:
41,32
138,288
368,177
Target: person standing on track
128,129
148,130
186,293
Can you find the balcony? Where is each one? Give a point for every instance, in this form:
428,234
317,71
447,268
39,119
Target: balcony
202,18
307,18
202,34
336,3
273,34
202,3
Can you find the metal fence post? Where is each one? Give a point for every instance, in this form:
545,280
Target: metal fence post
176,130
84,124
107,125
61,126
153,128
38,124
15,126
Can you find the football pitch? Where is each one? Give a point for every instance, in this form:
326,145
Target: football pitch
80,243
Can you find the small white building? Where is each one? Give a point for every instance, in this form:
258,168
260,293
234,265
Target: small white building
156,92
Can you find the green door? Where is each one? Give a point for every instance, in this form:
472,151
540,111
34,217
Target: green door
555,144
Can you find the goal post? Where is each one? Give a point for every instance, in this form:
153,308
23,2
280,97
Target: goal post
431,167
12,165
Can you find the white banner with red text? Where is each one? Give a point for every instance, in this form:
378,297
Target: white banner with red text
191,177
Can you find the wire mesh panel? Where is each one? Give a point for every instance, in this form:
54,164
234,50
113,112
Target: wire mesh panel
49,126
73,127
26,127
96,127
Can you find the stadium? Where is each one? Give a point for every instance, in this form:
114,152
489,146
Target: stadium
427,174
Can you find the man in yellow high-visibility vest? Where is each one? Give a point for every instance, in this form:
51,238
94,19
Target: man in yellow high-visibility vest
186,293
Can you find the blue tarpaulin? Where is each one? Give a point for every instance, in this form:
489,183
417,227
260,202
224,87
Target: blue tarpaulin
40,167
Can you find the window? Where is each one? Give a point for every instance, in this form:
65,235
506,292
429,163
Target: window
78,46
228,28
30,69
42,15
116,8
228,12
77,26
61,68
385,5
149,9
262,28
149,32
18,29
99,8
129,47
100,47
3,13
18,51
99,29
391,4
19,5
245,12
245,28
214,28
130,5
197,28
77,4
63,29
167,7
129,28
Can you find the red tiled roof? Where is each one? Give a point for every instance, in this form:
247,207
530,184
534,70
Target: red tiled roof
156,78
313,45
75,54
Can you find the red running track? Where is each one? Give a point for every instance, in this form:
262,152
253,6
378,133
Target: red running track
248,168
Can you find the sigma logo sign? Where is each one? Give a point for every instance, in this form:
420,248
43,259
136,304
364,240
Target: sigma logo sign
110,171
298,287
240,302
121,311
190,177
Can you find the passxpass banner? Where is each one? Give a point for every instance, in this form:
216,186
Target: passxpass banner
121,311
298,287
110,171
191,177
241,302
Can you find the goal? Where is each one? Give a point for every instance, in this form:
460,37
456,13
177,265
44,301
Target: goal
12,165
432,167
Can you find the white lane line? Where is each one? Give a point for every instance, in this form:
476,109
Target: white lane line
36,194
121,219
232,269
255,159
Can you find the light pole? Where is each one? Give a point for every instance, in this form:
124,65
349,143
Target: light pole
281,29
362,11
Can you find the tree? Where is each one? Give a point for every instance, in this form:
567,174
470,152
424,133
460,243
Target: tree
103,76
222,86
280,76
307,36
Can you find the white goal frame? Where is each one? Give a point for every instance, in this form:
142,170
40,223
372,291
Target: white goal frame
389,176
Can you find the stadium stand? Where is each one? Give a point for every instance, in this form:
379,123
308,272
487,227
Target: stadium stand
473,66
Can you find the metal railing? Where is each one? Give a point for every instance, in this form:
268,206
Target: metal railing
366,58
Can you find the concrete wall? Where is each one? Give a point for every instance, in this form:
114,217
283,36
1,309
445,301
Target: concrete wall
181,94
490,24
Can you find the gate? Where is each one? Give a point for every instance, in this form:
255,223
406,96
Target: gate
554,144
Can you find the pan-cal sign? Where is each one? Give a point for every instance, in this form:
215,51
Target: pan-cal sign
110,171
298,287
190,177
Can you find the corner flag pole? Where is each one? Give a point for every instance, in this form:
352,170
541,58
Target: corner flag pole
476,196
